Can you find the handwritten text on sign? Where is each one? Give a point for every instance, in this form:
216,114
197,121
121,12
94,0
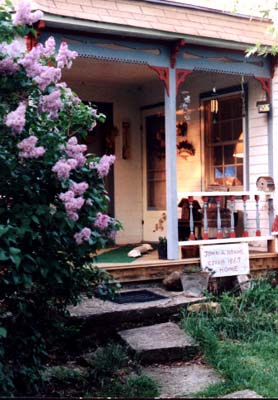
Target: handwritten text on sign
225,259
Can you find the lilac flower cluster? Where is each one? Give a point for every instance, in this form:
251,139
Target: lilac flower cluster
65,56
103,165
63,167
75,150
43,75
102,221
8,67
72,204
49,47
24,16
13,49
51,103
16,119
79,188
83,235
28,148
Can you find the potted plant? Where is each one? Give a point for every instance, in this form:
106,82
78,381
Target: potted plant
162,248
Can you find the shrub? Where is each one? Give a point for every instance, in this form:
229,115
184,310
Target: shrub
53,202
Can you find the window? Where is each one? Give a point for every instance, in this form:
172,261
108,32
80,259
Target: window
224,152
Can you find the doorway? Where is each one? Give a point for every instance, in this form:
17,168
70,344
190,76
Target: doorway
154,176
100,143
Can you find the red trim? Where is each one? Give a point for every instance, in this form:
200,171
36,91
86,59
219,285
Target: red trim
191,236
163,75
175,51
232,234
265,82
258,233
219,235
275,224
30,39
245,234
181,75
205,236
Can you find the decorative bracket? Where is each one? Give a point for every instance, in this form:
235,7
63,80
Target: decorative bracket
265,82
175,51
163,75
181,75
30,39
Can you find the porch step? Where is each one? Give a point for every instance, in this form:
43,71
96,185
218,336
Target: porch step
96,312
160,343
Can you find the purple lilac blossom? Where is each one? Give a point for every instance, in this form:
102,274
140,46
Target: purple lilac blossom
47,75
83,235
103,165
65,56
14,49
16,119
24,16
51,103
63,168
72,204
79,188
41,74
28,148
75,150
8,67
102,221
49,47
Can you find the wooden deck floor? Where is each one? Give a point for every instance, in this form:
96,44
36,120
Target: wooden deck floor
149,267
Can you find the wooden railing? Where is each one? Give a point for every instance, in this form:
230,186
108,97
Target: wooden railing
227,217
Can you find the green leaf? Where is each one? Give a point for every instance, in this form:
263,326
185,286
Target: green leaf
35,219
3,229
16,259
3,332
14,250
3,256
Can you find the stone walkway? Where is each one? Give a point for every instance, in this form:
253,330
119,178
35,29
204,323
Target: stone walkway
163,348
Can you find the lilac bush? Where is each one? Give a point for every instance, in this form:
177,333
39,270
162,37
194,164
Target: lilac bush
53,203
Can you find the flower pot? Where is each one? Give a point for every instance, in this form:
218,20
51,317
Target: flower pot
162,251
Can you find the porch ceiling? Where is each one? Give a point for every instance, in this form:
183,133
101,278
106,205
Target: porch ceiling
102,72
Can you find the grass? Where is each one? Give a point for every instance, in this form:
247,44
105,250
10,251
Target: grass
108,372
241,341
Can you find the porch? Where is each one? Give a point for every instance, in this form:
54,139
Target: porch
152,95
151,268
223,217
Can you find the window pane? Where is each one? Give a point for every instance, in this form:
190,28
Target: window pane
226,131
217,159
229,154
218,173
230,171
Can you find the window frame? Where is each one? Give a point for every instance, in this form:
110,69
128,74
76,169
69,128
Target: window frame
206,170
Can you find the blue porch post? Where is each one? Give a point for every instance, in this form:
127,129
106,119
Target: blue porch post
171,168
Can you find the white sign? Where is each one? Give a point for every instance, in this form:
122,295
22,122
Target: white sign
225,259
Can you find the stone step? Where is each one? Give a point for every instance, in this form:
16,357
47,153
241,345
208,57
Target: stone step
160,343
94,312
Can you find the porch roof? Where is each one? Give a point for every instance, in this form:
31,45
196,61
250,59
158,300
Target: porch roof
151,18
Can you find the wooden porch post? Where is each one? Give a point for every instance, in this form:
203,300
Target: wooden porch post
171,168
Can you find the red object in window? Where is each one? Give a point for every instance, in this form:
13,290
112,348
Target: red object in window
275,224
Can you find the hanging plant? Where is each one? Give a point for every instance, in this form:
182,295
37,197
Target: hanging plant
186,146
182,129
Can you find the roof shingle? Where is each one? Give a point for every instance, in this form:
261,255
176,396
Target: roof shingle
163,17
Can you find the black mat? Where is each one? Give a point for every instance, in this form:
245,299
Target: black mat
136,296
